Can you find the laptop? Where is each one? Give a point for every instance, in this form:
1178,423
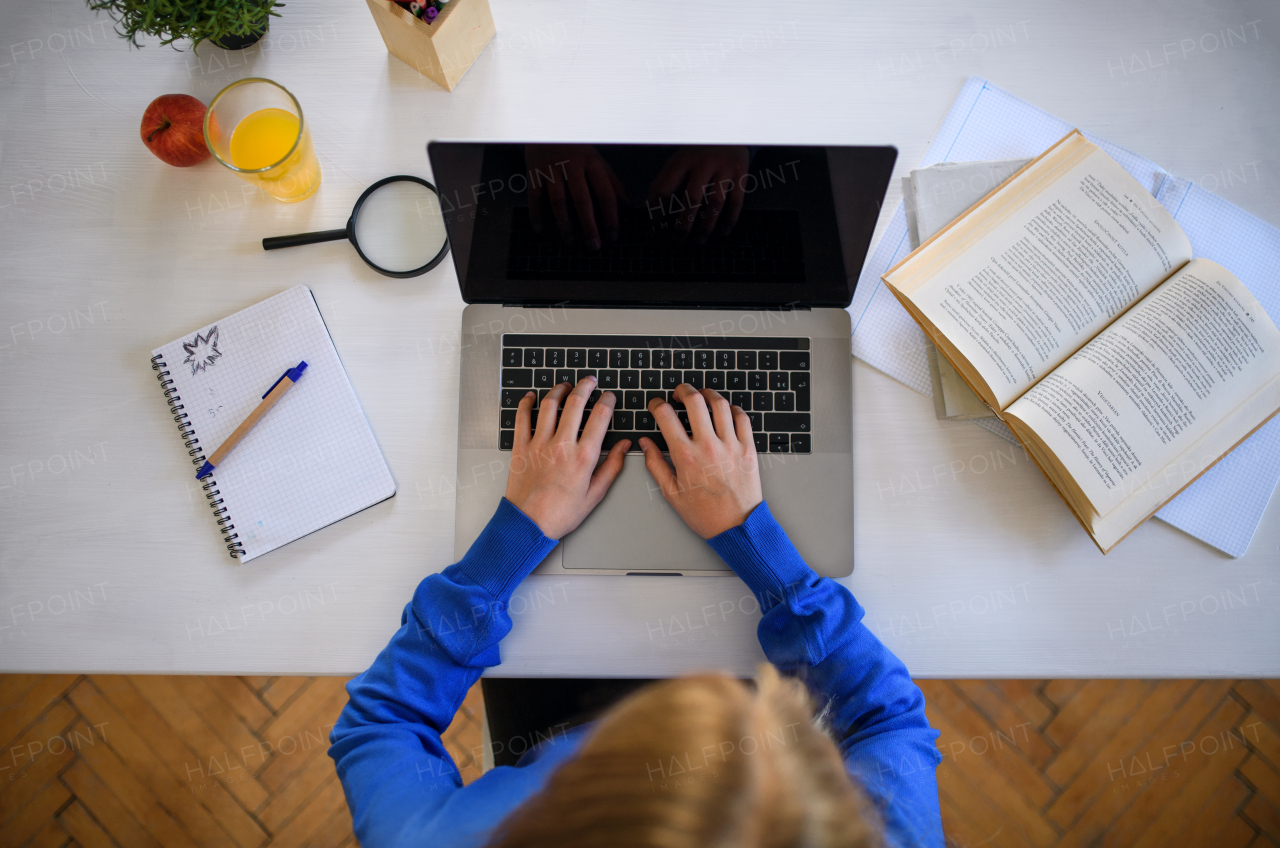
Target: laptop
726,267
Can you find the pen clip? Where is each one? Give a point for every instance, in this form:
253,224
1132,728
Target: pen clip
293,374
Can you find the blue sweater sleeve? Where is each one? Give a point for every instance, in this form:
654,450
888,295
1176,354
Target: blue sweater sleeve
812,627
386,745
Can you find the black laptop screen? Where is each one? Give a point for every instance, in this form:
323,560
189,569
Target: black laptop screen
659,225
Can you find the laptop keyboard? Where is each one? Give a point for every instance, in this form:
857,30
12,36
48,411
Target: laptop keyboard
768,377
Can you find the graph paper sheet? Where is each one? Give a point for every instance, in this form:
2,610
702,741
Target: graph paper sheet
1224,506
312,459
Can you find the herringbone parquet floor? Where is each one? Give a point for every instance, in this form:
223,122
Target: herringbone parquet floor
240,761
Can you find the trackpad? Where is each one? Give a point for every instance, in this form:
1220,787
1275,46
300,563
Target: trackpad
634,529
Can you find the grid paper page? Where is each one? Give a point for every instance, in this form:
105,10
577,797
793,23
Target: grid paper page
312,459
1224,506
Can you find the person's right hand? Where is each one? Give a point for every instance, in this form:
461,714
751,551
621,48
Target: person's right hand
573,172
716,481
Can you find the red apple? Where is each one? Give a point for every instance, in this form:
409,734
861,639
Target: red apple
173,129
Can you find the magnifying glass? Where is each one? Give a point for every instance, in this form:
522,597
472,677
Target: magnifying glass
396,227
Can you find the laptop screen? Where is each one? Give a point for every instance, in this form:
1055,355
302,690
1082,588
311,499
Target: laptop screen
659,225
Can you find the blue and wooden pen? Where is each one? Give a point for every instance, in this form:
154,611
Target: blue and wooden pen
269,400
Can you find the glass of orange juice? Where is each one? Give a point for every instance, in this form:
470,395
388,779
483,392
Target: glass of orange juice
255,127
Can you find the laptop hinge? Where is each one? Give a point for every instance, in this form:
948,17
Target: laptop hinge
779,307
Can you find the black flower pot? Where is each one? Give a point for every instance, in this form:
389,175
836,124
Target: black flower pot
238,42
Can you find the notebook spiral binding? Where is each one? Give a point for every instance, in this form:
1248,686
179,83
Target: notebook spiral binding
189,440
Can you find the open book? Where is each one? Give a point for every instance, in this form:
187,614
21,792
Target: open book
1068,300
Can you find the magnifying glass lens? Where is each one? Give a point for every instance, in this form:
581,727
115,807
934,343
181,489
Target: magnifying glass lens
399,226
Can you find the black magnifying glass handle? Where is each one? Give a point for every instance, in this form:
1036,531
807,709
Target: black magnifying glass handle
277,242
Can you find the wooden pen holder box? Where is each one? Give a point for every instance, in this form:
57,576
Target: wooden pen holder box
442,49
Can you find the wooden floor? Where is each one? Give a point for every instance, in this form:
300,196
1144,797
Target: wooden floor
240,761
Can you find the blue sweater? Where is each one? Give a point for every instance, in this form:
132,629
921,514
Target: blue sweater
404,789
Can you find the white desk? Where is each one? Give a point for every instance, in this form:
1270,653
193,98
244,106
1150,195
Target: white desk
967,562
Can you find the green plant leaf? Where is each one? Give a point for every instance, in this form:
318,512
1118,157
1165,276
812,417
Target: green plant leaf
197,20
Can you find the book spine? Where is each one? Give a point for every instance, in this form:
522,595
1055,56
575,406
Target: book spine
192,443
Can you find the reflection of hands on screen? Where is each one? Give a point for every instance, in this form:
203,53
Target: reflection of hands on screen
574,173
703,185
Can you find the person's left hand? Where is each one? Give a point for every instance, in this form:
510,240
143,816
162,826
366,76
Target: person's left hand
707,182
554,478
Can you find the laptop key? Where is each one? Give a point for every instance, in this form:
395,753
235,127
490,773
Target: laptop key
511,357
682,359
650,379
703,359
661,359
756,381
533,357
793,422
778,381
608,379
779,443
757,421
762,442
741,399
555,357
565,375
747,360
614,436
762,402
768,360
724,359
592,398
715,380
511,397
800,384
670,379
634,400
736,381
648,396
517,378
789,360
623,420
784,401
617,359
639,359
577,357
585,372
645,421
693,378
506,439
597,358
544,378
507,420
630,379
799,442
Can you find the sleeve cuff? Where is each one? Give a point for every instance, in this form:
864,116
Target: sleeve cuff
506,551
759,552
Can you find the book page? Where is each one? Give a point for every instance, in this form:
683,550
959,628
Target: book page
1075,242
1154,383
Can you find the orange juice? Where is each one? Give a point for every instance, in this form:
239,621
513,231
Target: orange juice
262,140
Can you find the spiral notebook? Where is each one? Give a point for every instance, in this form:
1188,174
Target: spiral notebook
311,461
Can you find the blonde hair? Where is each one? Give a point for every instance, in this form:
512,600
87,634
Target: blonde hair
697,762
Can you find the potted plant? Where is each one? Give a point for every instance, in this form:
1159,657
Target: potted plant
230,24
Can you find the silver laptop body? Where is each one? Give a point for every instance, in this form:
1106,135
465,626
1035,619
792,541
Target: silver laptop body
633,530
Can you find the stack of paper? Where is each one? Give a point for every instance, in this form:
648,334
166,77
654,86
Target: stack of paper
1224,506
